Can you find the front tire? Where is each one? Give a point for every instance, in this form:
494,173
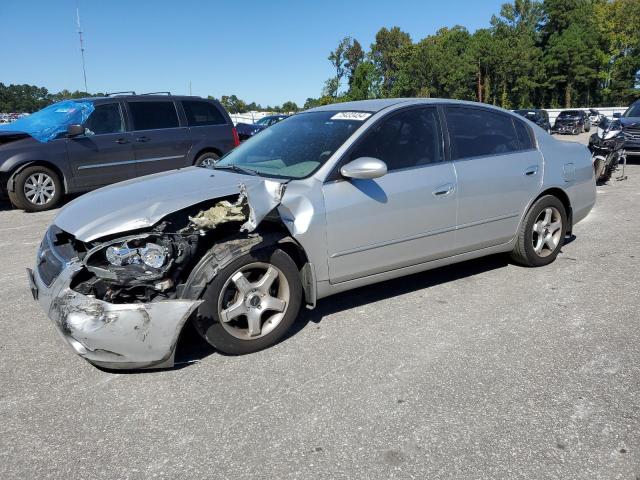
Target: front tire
36,188
251,303
541,234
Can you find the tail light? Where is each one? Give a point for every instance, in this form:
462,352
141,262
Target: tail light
236,138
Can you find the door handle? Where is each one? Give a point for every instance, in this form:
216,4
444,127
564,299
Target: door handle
531,171
122,141
443,190
142,139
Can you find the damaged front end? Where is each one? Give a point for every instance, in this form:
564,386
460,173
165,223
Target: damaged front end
121,301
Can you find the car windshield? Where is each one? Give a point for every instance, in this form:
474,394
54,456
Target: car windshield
569,113
296,147
632,111
263,121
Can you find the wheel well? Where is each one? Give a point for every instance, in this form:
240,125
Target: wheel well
564,198
207,150
22,166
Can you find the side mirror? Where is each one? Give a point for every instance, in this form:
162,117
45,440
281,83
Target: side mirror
617,115
74,130
364,168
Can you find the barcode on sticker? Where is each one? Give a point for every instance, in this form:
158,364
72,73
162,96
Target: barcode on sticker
359,116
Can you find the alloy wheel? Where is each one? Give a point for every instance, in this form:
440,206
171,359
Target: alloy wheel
253,300
208,162
39,188
547,232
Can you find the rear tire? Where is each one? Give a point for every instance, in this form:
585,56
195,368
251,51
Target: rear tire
207,159
36,189
541,233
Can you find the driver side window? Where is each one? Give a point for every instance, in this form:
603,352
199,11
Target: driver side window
407,139
106,118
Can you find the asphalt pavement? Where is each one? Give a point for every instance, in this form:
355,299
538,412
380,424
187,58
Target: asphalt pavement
482,370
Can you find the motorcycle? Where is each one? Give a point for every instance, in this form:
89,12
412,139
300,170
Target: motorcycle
607,149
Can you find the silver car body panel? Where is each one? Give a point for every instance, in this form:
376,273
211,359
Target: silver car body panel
354,232
136,335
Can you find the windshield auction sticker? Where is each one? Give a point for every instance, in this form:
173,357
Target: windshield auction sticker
359,116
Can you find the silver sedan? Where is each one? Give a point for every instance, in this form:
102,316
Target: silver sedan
328,200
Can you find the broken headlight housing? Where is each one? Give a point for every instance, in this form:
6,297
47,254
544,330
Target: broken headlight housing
150,254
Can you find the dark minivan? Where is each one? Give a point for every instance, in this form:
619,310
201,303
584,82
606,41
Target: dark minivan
124,136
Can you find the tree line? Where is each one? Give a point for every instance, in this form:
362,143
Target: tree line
547,54
30,98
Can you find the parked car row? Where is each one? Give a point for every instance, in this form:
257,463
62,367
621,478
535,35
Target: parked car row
568,121
577,121
248,130
127,136
11,117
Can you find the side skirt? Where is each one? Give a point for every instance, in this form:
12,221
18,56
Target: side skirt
326,289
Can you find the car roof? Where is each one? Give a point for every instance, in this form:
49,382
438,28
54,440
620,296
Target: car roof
377,105
142,97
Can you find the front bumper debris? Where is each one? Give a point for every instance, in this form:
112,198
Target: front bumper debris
116,336
566,128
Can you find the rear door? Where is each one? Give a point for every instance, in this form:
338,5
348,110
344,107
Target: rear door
403,218
209,128
161,141
105,153
499,170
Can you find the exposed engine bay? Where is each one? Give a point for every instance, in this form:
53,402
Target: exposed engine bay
152,264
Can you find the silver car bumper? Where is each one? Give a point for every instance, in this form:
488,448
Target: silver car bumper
117,336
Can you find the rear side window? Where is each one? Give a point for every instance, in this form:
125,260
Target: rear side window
153,115
202,113
475,132
524,136
407,139
106,118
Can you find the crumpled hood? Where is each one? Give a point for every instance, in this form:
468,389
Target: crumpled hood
142,202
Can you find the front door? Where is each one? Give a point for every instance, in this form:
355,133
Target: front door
499,170
104,154
160,142
403,218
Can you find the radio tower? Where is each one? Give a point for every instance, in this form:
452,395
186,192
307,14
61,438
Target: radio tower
84,72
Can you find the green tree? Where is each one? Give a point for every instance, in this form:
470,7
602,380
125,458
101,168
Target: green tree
338,59
517,67
233,104
354,56
289,106
364,82
384,53
619,21
573,50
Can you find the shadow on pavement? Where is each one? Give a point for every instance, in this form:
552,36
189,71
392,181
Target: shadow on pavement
192,348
